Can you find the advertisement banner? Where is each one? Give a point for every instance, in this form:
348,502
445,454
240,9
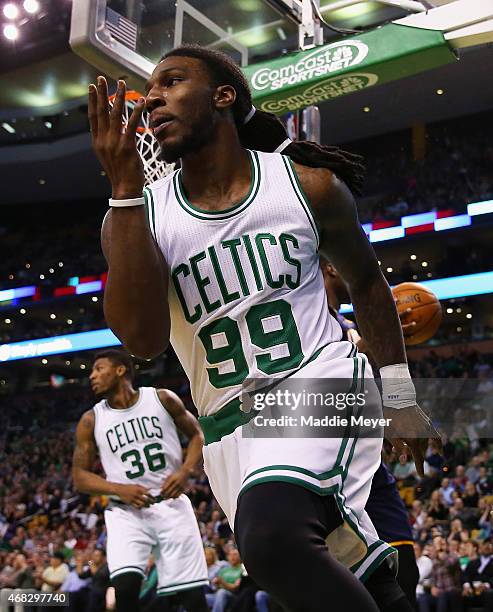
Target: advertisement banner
392,52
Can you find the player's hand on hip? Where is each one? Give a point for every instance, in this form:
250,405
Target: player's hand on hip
412,427
114,143
175,484
134,495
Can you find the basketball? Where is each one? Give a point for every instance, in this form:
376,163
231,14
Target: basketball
426,311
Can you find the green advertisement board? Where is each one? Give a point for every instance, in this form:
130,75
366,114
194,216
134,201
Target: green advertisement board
388,53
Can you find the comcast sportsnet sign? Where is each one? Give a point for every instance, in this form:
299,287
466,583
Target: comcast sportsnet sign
321,62
392,52
297,81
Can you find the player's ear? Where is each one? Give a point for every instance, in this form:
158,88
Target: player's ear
224,96
120,371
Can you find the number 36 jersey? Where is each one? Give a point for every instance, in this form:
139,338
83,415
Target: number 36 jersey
246,293
140,444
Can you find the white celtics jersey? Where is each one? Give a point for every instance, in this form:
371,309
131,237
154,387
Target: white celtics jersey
247,297
137,445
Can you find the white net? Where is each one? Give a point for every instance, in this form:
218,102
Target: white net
147,145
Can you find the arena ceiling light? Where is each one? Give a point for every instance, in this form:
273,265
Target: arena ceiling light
11,11
8,128
11,32
31,6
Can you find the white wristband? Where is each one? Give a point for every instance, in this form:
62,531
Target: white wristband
123,203
397,387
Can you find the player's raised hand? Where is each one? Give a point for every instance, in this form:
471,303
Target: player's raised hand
175,484
134,495
114,144
413,427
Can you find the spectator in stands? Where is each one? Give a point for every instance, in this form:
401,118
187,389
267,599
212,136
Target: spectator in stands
460,478
470,497
21,577
100,580
227,582
213,568
472,472
425,565
478,579
77,587
445,584
55,574
446,490
417,514
405,469
437,509
485,482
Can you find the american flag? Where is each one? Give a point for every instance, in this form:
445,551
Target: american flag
121,28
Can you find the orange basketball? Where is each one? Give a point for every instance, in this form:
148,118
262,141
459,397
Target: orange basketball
426,311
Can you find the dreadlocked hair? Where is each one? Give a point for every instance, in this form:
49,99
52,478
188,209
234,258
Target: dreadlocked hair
264,131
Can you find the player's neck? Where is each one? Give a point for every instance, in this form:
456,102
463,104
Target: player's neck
125,397
217,175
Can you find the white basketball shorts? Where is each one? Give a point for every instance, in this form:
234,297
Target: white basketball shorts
342,467
169,531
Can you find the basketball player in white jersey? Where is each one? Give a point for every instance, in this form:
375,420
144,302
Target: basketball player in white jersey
224,265
134,431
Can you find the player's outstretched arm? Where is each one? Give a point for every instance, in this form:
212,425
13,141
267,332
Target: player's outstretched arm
347,247
185,422
136,294
87,481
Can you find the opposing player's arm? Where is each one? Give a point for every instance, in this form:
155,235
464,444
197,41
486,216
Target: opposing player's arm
188,425
86,481
347,247
136,294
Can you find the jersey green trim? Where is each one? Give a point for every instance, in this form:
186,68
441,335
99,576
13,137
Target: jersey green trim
361,380
220,215
345,439
292,480
376,563
181,586
294,468
151,214
302,197
370,549
126,569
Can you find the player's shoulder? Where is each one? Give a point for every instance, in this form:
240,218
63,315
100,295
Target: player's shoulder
168,397
160,184
87,420
324,190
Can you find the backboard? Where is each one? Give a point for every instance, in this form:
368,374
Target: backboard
126,38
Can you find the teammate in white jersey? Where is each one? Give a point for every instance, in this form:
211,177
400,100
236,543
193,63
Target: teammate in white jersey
134,431
225,266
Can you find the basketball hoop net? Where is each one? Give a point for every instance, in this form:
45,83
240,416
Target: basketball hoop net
147,145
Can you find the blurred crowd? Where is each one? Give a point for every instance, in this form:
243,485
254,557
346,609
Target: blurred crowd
52,539
449,169
455,260
453,169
